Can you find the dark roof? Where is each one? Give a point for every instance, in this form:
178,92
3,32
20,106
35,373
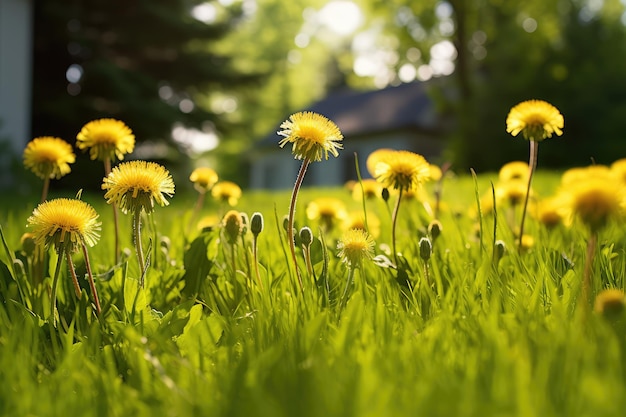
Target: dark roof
355,113
358,113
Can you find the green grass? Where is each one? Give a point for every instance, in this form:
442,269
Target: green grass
476,337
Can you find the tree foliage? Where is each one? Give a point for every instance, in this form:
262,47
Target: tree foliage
148,63
566,52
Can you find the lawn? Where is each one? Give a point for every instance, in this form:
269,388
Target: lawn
458,323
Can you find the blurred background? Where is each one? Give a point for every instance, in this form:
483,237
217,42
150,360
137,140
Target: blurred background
209,82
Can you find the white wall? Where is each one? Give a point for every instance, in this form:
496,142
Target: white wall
15,72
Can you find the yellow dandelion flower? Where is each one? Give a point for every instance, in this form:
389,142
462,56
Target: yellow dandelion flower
371,189
517,170
610,302
550,212
618,169
64,221
512,191
402,170
313,136
49,157
594,201
356,220
106,139
435,172
536,119
350,184
208,222
203,179
355,246
375,157
575,175
419,194
326,210
227,191
527,242
136,185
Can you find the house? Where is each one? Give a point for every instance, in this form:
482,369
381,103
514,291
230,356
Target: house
15,83
399,117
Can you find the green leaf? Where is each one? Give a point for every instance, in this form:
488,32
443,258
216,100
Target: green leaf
199,260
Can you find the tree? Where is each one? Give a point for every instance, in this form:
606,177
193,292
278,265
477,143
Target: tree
149,63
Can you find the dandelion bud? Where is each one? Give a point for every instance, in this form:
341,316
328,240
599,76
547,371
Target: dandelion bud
426,248
165,242
434,229
385,194
306,236
126,253
256,223
499,249
233,225
19,267
28,243
246,222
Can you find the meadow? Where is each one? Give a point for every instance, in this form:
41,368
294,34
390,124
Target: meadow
459,333
423,292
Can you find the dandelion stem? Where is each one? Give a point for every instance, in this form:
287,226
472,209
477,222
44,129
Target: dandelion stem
256,261
107,171
68,256
92,283
234,260
344,295
307,259
358,175
292,210
55,283
439,189
394,219
46,187
138,246
532,164
196,210
586,287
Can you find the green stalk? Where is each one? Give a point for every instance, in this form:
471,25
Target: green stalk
55,283
68,256
107,171
138,245
344,295
46,187
292,210
358,175
92,283
394,219
256,261
196,210
532,164
586,287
